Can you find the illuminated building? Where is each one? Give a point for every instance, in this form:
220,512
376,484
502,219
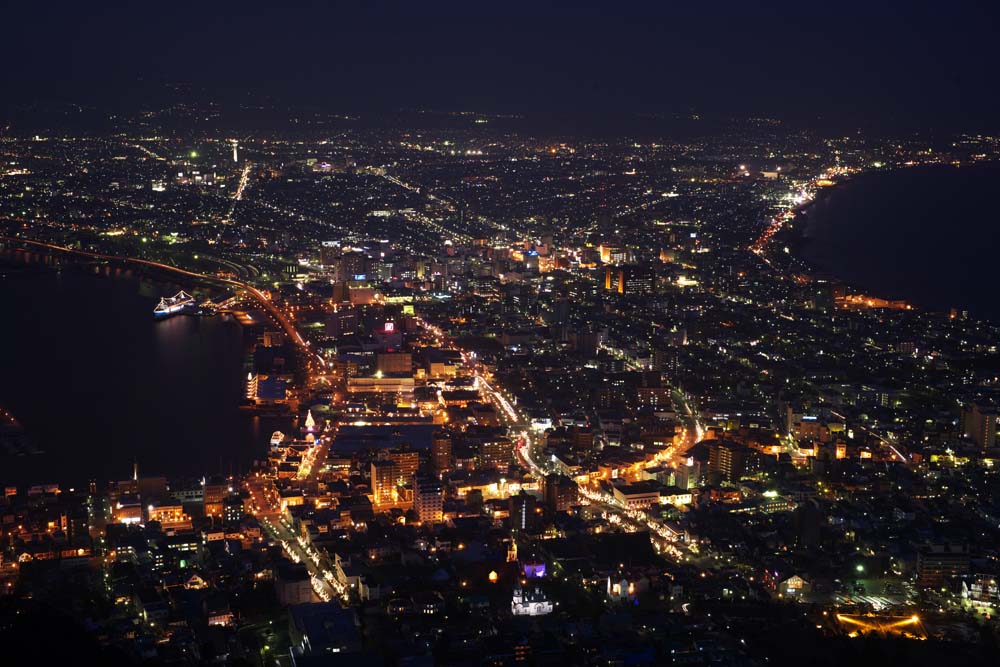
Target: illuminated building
292,585
638,495
360,293
621,590
388,475
215,490
939,565
384,385
729,461
127,509
522,510
530,602
612,254
428,500
351,266
342,321
673,495
794,586
232,509
560,492
273,338
441,451
406,461
266,388
653,397
496,453
979,423
981,592
440,364
687,475
629,280
170,516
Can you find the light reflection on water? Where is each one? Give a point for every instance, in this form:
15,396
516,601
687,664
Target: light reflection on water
98,383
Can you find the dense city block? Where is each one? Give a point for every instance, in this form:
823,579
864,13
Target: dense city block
545,399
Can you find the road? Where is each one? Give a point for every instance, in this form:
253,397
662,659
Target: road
265,505
264,498
518,426
299,549
871,432
280,318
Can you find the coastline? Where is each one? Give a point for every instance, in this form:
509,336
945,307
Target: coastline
137,375
839,220
264,300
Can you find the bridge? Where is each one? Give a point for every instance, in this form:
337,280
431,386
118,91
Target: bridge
264,300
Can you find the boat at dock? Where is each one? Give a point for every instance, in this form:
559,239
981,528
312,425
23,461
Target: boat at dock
178,303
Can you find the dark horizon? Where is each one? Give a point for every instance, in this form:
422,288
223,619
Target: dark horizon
920,66
499,334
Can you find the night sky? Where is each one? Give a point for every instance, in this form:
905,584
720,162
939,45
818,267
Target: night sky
919,62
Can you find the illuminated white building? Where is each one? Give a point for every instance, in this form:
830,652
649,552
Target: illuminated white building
530,603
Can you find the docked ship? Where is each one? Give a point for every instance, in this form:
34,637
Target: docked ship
171,306
276,439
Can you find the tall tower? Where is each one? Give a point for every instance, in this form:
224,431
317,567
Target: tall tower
235,144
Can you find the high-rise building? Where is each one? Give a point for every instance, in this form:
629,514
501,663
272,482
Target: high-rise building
979,423
496,453
687,474
729,461
441,451
384,479
629,280
939,565
406,461
428,499
560,492
342,321
352,266
522,511
389,474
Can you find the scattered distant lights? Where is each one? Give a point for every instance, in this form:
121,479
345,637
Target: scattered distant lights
528,287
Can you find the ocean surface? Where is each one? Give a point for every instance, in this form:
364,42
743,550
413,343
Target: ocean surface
930,235
97,383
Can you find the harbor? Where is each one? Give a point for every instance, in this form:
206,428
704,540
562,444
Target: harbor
166,392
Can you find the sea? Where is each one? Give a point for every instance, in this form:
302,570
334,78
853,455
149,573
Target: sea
929,235
98,385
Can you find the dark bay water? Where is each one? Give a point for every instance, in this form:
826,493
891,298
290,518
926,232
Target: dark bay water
97,383
930,235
